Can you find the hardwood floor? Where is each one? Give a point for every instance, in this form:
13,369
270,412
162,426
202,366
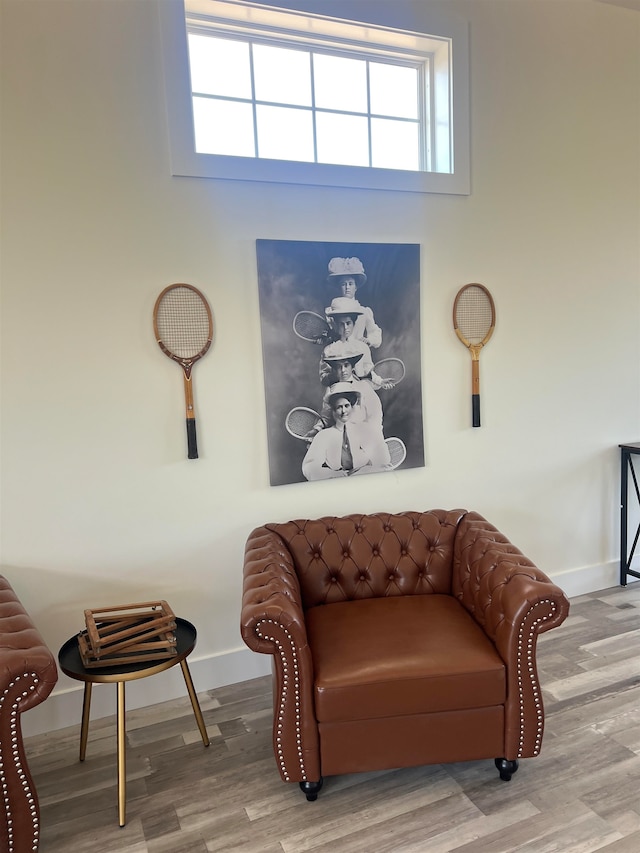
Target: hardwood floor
581,794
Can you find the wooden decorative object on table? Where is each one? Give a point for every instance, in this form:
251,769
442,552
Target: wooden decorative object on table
128,633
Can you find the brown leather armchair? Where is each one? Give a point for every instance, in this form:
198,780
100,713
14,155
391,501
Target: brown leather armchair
397,640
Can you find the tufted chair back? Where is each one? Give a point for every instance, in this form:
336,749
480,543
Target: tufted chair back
372,556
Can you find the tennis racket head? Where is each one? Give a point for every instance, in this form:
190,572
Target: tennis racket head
474,315
311,327
390,369
397,451
300,421
182,323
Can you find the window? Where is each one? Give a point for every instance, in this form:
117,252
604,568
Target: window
259,99
262,93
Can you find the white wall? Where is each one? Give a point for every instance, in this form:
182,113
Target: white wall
99,504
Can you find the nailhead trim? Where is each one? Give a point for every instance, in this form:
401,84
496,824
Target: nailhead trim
530,668
14,759
285,693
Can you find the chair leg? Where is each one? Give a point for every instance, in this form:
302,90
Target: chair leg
311,789
506,768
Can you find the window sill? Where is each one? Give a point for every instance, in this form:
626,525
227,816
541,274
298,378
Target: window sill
190,164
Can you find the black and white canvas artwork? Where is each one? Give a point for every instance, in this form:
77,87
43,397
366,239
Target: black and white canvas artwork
341,350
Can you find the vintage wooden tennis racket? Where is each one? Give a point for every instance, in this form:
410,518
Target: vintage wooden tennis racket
397,451
390,370
312,327
300,421
183,326
474,319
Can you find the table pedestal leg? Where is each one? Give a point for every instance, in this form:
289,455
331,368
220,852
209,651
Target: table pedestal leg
194,702
122,756
84,729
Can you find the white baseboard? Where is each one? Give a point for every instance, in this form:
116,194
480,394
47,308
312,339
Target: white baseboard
64,706
587,579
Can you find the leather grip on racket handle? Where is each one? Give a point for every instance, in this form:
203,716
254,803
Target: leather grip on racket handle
475,392
192,444
475,409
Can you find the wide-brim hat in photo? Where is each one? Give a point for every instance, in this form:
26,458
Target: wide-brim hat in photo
346,266
341,351
343,389
343,305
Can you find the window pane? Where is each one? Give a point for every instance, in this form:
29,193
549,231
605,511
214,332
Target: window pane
342,139
395,144
219,67
394,90
223,127
285,134
282,75
340,84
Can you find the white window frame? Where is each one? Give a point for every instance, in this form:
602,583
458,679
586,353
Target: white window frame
454,66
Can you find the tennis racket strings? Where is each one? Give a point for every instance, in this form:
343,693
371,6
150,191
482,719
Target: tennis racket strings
310,326
183,323
397,451
391,369
474,314
300,421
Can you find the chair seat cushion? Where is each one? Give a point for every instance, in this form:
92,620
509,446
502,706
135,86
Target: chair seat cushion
400,655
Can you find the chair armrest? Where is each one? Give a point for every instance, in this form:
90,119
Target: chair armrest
272,622
24,656
513,601
28,674
271,592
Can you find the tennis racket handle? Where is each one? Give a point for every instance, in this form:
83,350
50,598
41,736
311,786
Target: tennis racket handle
475,391
192,444
475,409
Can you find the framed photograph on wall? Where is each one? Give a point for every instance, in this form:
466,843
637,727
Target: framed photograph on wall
341,348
